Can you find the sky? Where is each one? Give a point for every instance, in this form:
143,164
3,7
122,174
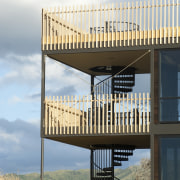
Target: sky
20,90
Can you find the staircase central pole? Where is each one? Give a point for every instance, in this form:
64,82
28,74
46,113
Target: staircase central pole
91,164
92,93
112,162
92,85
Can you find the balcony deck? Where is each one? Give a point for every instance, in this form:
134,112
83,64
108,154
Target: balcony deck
86,121
119,25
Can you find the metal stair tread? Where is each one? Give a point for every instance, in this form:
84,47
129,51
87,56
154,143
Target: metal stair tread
123,153
117,164
108,169
104,174
102,178
126,78
130,84
120,158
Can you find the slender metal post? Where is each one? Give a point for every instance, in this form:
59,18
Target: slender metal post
42,114
92,93
91,164
42,158
92,86
112,161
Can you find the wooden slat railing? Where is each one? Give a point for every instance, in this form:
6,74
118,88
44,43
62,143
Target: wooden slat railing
111,114
114,25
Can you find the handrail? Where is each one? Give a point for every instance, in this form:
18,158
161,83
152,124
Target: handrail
126,114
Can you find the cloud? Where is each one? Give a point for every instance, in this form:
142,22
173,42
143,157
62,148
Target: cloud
21,24
26,70
20,149
64,91
20,70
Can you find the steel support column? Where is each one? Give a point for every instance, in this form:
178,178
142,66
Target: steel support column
42,113
91,165
152,112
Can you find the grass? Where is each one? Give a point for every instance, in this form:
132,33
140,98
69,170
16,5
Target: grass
9,177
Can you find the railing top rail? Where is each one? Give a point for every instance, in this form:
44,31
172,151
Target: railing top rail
88,98
106,8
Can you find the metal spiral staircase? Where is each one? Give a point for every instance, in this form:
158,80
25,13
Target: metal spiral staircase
104,159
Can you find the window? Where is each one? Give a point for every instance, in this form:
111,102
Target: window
170,158
170,86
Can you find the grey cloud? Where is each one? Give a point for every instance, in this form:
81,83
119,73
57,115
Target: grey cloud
23,154
21,70
67,90
20,28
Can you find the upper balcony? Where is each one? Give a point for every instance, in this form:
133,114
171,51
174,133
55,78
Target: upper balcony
113,25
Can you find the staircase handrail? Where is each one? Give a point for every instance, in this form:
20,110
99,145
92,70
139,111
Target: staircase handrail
103,80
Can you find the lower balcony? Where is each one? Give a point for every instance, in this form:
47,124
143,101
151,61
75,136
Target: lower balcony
97,119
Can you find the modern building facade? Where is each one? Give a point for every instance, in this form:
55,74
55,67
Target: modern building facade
117,42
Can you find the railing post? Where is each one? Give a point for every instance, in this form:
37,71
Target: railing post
177,21
57,114
131,121
54,117
68,116
87,115
127,114
123,116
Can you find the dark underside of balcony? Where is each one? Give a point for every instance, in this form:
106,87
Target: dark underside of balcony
86,141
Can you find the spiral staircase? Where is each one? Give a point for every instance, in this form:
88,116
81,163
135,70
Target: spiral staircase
104,158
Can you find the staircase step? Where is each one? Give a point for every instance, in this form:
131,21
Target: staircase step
104,174
123,153
124,78
120,159
122,90
129,84
108,169
102,178
117,164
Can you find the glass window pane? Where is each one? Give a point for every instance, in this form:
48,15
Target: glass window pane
170,158
170,73
170,110
169,85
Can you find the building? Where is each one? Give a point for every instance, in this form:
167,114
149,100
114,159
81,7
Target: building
118,41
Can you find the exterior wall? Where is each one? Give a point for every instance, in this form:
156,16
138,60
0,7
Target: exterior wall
159,129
